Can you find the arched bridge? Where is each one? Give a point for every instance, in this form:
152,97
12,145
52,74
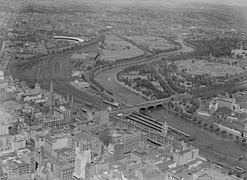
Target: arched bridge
143,106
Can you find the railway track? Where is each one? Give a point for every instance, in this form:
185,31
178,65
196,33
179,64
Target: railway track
41,69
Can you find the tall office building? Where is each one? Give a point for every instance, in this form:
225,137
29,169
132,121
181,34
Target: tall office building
4,124
18,142
85,141
4,129
6,143
128,139
85,145
28,157
81,160
245,130
3,176
54,142
182,157
14,166
64,163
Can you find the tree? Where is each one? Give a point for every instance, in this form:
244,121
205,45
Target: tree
194,119
224,131
89,68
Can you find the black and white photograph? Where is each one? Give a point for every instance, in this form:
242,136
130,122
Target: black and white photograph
123,89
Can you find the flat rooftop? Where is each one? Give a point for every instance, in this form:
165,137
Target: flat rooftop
84,136
54,136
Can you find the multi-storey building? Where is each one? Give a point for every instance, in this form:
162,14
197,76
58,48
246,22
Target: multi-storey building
4,128
18,142
10,143
51,122
157,132
182,157
3,176
86,141
65,112
129,139
36,141
64,163
29,157
5,143
90,170
245,130
54,142
82,158
61,116
13,166
149,172
85,146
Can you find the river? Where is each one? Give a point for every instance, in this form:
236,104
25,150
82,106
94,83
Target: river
231,148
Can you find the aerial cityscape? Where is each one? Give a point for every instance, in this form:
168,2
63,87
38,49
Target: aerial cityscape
123,90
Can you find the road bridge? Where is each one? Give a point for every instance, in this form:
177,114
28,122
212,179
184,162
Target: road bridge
143,106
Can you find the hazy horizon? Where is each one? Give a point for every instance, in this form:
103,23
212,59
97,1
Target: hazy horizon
226,2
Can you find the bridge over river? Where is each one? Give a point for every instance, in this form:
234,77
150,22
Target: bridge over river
227,148
142,106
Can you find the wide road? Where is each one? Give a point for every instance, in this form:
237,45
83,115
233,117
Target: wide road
56,68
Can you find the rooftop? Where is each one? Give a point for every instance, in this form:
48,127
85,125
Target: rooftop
66,152
12,161
151,172
185,151
56,136
84,136
25,151
121,132
164,166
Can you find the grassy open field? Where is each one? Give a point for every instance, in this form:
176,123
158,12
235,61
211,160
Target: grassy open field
204,67
152,42
85,57
116,48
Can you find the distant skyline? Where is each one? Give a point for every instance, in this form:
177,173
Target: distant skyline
155,2
227,2
160,3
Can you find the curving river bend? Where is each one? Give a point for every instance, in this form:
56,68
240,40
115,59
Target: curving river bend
229,148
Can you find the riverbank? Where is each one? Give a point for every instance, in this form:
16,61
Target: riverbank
214,128
221,145
131,89
133,61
